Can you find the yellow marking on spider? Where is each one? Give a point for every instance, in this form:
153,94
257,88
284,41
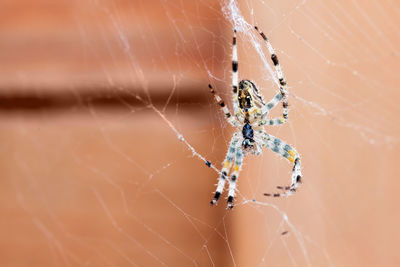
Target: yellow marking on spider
291,159
282,120
292,153
255,110
227,164
236,168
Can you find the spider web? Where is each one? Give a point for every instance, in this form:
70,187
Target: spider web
99,185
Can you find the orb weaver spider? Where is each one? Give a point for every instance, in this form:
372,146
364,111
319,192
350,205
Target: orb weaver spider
249,117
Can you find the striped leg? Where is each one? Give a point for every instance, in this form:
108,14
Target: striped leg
226,167
291,155
235,76
272,122
234,176
231,119
267,107
282,80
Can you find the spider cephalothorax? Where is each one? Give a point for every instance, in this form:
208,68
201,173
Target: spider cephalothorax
249,117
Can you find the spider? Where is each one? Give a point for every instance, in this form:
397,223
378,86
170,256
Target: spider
250,116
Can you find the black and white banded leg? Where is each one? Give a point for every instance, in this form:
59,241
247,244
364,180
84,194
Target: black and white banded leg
285,150
272,122
225,168
265,110
282,80
231,119
235,77
234,176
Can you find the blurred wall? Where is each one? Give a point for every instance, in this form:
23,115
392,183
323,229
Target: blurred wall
90,174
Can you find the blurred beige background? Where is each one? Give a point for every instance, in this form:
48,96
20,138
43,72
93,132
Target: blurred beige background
93,174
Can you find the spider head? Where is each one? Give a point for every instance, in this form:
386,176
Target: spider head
248,95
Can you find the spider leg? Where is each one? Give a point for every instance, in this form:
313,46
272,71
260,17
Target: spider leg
272,122
235,77
231,119
267,107
234,176
235,70
288,152
226,167
282,82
